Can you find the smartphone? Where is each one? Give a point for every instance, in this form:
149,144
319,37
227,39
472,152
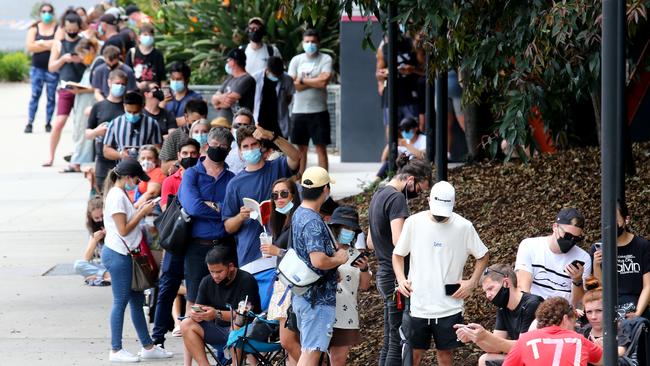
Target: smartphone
451,289
576,262
598,246
197,309
156,200
354,262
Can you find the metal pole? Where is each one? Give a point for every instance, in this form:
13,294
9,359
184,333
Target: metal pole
610,89
620,100
430,112
392,86
441,126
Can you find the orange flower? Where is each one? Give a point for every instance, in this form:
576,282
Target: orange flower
225,3
194,19
279,14
191,29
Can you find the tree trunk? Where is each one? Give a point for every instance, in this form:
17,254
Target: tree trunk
471,131
595,102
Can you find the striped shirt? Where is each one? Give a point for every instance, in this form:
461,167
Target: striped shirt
121,133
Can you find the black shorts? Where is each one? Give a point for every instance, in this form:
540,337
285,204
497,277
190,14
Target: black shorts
419,332
311,125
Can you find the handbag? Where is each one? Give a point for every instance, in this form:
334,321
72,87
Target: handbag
144,272
174,227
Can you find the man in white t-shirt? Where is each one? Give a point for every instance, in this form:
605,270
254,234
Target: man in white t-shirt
439,242
258,52
554,265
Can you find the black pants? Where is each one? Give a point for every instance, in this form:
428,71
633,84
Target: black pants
170,281
391,351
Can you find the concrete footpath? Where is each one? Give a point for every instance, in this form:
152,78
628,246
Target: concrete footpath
56,319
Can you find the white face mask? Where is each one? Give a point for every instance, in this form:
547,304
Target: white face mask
147,165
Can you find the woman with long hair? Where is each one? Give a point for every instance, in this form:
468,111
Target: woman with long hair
123,235
40,39
284,201
91,267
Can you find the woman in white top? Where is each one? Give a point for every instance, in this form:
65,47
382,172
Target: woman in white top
123,234
354,276
411,142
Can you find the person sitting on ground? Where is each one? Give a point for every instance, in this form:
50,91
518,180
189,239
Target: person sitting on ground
180,94
199,132
554,342
238,90
555,265
354,276
255,182
100,75
195,109
210,318
148,158
633,256
243,117
284,201
515,316
412,143
91,267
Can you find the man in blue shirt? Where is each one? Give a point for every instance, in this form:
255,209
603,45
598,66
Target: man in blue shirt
202,194
255,182
179,79
314,244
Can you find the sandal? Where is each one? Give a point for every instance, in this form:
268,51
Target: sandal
177,332
70,169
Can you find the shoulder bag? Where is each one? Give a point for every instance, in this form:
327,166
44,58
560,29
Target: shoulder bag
144,272
174,227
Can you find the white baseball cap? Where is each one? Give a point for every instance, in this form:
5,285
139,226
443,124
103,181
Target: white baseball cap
442,199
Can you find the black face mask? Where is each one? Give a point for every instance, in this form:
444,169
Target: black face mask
72,34
500,300
620,230
565,244
217,154
158,94
256,35
189,162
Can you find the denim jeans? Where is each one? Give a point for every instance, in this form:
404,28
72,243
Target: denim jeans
87,269
316,323
170,281
120,266
38,77
391,351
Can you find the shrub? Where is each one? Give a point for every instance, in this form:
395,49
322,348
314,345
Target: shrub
14,66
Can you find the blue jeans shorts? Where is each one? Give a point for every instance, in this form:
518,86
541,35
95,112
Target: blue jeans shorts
315,324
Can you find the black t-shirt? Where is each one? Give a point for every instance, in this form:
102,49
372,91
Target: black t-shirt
268,116
386,205
633,261
407,85
149,67
517,321
117,41
165,119
220,296
101,112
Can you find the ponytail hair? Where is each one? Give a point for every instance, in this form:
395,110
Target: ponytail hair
110,181
411,166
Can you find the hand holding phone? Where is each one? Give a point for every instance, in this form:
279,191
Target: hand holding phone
451,289
197,309
576,262
155,200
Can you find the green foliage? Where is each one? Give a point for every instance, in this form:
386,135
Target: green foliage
201,32
14,66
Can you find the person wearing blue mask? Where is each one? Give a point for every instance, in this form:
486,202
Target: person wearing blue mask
274,91
355,276
411,142
311,72
199,132
238,89
179,93
131,130
147,61
255,182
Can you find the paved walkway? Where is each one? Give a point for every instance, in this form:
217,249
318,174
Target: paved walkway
56,320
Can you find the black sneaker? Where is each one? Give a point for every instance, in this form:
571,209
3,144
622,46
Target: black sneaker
28,128
48,127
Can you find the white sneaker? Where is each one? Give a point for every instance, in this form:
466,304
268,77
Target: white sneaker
154,353
122,356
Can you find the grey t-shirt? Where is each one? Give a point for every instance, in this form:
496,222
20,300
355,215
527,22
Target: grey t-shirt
243,85
310,100
387,204
99,78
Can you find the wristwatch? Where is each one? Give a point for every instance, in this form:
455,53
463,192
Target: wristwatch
577,284
219,315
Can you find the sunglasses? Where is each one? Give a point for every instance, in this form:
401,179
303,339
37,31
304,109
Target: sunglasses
488,270
281,194
569,236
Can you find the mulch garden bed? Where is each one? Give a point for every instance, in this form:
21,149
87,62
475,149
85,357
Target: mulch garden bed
508,203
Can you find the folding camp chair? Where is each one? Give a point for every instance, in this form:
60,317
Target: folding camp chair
266,353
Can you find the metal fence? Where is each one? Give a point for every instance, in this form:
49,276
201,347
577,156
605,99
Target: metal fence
333,106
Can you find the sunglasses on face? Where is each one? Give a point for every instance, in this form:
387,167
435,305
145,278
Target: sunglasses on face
281,194
569,236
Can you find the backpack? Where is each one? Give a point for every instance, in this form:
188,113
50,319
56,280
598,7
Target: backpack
269,48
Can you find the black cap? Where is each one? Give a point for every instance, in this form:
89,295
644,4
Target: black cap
346,215
408,123
238,55
328,207
131,9
570,216
109,19
129,167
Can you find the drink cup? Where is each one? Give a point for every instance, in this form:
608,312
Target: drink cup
265,239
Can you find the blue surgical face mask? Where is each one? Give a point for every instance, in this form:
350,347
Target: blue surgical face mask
310,48
132,118
272,77
130,187
132,23
117,90
408,135
228,69
252,156
100,30
285,210
346,236
47,17
202,138
177,85
146,40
